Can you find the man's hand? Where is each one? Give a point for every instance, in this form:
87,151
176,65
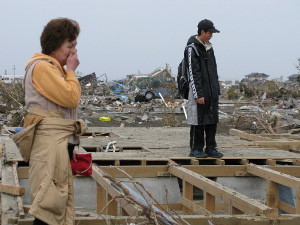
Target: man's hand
72,62
200,100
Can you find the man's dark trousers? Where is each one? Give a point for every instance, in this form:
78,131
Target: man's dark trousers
197,136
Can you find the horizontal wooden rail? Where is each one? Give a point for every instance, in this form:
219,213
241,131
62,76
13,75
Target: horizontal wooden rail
227,195
274,176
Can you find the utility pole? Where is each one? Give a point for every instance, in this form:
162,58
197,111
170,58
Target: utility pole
14,70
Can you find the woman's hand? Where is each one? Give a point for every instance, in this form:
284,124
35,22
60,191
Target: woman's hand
72,62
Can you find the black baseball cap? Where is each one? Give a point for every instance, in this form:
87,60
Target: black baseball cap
207,25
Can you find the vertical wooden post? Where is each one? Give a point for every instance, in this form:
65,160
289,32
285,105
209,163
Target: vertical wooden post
297,202
272,194
210,202
101,199
113,207
187,193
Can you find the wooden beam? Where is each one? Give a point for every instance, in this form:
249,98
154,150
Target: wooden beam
19,199
209,202
112,207
12,153
297,201
274,176
9,205
187,193
286,207
23,172
204,170
106,184
12,190
272,194
135,171
227,195
191,219
289,170
216,170
285,145
271,162
195,207
102,200
250,137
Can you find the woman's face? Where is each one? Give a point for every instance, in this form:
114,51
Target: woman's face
62,53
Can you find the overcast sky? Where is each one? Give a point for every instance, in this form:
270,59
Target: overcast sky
120,37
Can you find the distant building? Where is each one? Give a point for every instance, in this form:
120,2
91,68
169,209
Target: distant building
229,83
253,77
9,78
293,78
162,74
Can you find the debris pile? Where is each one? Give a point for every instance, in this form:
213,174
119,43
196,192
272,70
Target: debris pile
152,100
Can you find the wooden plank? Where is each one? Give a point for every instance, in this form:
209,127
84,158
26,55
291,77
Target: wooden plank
220,162
19,199
293,145
272,194
216,170
274,176
246,136
195,207
227,195
12,190
23,172
1,150
112,207
101,200
191,219
106,184
275,136
271,162
194,162
207,171
244,161
9,206
210,202
297,201
12,153
135,171
171,206
290,170
286,207
187,193
235,132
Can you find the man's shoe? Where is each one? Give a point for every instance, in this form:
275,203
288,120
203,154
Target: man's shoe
213,153
198,154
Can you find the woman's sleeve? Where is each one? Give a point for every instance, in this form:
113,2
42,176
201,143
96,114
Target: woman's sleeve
49,82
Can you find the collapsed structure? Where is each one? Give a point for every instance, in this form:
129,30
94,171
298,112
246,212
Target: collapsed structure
132,184
154,182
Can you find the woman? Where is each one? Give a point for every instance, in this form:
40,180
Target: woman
52,94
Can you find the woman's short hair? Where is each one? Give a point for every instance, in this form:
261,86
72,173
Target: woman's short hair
56,32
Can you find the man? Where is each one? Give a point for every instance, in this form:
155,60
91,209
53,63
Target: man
204,92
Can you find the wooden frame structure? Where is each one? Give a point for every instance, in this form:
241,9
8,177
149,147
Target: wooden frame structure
281,141
192,172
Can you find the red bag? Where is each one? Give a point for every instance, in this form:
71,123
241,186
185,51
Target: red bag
82,164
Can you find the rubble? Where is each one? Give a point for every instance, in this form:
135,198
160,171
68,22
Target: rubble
113,105
266,106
